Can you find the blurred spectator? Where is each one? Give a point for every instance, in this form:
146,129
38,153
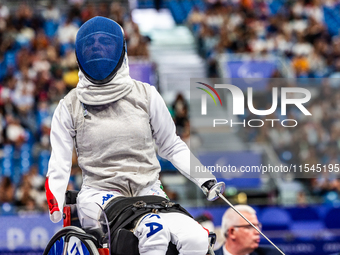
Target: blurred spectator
117,13
23,97
6,190
14,132
24,192
40,42
51,13
88,12
37,181
29,207
4,11
301,66
302,199
67,32
180,112
103,9
137,44
30,194
195,18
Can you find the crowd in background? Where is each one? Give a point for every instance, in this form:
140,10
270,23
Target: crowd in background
299,33
314,141
37,68
295,30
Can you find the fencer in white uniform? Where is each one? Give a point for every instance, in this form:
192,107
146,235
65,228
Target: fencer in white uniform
113,121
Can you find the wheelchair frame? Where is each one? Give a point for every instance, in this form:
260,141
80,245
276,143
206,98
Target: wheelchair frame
93,241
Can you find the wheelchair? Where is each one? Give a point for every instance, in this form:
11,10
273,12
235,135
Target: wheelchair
113,233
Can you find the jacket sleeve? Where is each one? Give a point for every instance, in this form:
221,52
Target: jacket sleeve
59,166
170,146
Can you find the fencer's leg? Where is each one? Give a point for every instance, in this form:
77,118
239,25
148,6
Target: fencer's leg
187,234
155,190
153,235
90,203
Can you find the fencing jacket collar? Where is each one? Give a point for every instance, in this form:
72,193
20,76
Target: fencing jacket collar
99,94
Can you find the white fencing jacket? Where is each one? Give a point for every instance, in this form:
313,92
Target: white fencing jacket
113,132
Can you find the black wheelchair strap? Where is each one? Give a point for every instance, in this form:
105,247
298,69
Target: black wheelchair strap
123,211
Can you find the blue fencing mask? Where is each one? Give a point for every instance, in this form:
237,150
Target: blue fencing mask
100,49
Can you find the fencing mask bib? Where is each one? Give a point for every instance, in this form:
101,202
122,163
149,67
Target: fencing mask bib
100,49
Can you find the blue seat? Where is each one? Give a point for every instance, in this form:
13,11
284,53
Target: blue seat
7,209
332,20
50,28
7,161
177,11
187,7
26,158
275,6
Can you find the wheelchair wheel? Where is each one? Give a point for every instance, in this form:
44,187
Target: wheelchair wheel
76,246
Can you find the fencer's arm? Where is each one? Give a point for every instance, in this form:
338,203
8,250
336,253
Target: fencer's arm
170,146
59,166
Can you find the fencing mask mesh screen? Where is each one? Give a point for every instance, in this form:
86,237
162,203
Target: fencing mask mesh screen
100,49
